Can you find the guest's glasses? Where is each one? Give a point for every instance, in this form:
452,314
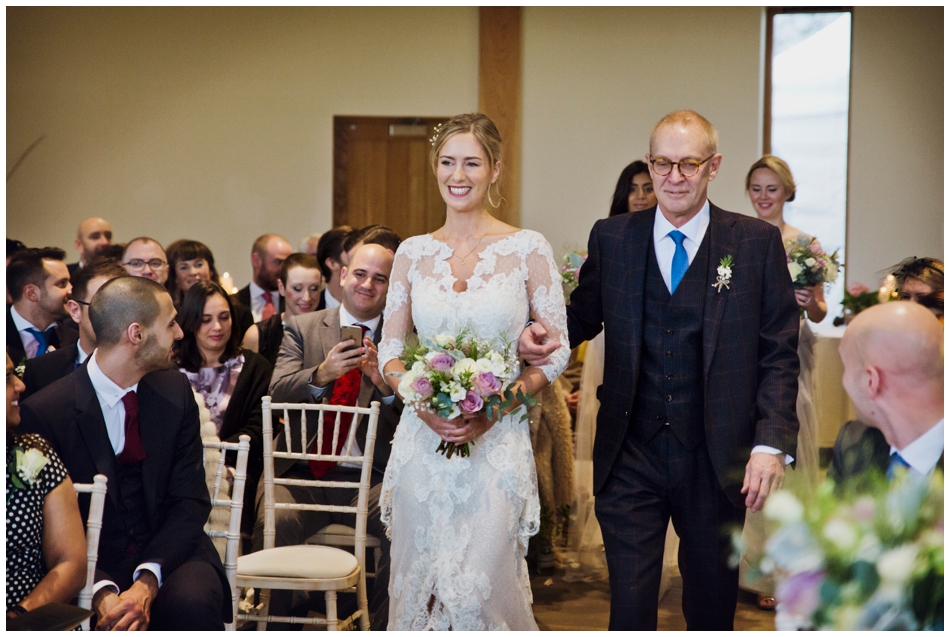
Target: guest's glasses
86,303
139,264
688,167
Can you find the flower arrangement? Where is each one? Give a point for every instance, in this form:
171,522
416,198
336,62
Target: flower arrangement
809,264
451,376
862,560
570,268
857,298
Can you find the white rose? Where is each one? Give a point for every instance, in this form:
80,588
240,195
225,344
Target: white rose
783,507
483,364
897,564
840,533
29,464
810,262
418,368
831,273
794,269
444,340
404,387
464,365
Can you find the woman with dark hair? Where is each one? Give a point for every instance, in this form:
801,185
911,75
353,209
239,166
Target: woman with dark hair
231,381
921,281
634,191
188,262
46,547
299,284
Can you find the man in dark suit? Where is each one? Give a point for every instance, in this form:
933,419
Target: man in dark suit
260,296
124,414
44,370
312,361
893,372
332,257
38,283
697,408
93,235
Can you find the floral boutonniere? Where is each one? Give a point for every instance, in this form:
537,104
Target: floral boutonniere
26,468
724,272
20,368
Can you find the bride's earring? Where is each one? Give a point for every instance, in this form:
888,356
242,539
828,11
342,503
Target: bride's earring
492,203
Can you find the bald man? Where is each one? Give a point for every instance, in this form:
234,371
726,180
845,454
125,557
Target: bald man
893,371
93,234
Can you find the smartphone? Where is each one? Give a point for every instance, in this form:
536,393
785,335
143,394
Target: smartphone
351,332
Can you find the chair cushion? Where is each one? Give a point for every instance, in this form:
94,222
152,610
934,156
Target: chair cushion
312,561
338,529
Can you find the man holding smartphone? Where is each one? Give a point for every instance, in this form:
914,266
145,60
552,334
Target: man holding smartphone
324,358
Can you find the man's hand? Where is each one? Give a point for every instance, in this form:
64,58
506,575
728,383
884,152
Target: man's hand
764,473
130,610
534,345
369,366
573,400
337,363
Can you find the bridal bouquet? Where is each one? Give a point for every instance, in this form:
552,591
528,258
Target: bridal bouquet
455,375
809,264
570,268
863,561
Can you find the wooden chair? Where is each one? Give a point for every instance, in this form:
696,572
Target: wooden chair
309,567
235,503
97,501
342,535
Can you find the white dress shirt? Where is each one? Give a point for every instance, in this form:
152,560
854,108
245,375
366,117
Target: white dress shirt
257,301
665,248
81,356
113,413
30,344
924,453
329,300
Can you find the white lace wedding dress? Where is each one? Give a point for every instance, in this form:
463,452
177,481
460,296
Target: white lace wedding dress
460,526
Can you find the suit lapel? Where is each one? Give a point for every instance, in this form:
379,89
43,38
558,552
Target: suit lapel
92,426
153,432
722,242
636,244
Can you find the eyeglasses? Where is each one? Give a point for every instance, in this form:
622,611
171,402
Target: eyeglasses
688,167
82,302
139,264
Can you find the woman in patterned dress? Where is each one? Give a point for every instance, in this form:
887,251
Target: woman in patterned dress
46,547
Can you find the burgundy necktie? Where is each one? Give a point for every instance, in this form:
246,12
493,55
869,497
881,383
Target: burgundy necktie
268,309
134,451
346,391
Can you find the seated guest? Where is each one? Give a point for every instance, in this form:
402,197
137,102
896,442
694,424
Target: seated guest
309,244
921,281
188,262
43,370
299,287
377,234
332,257
260,296
312,359
13,246
38,282
46,547
231,381
126,415
893,372
93,235
144,257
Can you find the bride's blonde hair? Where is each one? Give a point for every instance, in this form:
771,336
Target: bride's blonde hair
478,125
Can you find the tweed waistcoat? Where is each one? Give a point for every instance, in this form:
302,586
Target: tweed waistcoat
670,384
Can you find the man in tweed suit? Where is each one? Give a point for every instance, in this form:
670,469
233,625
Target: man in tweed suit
697,409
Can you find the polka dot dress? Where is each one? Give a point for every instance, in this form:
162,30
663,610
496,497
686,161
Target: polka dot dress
25,567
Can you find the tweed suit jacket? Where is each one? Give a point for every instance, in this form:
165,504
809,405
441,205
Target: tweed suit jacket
62,336
750,338
308,338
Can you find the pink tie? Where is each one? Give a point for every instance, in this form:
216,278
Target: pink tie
268,310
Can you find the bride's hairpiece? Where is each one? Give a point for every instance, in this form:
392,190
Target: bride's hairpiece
438,131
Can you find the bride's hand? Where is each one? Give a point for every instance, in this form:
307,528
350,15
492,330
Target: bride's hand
447,430
473,426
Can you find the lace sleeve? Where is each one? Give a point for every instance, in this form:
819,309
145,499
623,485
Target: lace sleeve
398,315
546,298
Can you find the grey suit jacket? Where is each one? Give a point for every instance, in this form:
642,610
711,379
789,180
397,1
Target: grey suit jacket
308,338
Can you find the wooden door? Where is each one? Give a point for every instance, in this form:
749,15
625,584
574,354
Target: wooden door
381,174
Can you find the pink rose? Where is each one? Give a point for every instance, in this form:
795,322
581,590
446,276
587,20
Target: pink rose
472,403
421,386
442,362
856,289
486,384
799,595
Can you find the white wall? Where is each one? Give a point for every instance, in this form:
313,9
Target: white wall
896,171
212,124
597,80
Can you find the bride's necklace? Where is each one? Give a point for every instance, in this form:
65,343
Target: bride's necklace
472,251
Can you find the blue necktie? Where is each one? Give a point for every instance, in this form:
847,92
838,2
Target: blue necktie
896,461
680,260
42,338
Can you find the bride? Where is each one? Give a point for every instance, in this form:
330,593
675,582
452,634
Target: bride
460,526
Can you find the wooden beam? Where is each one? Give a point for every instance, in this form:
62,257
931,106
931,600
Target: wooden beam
499,96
